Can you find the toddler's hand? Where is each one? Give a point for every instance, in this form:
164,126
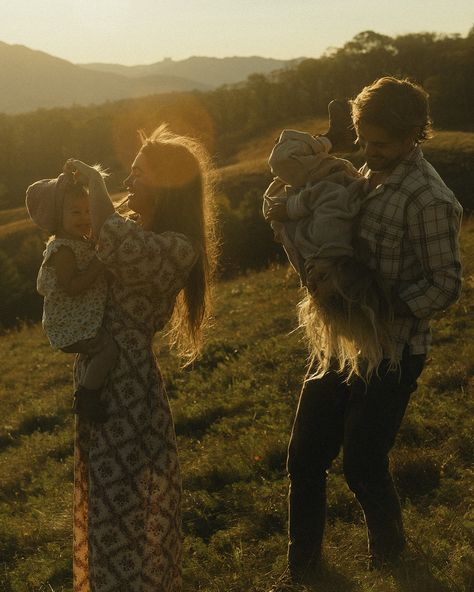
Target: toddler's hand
277,211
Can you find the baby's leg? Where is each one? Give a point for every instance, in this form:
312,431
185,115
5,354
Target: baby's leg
341,132
103,355
102,352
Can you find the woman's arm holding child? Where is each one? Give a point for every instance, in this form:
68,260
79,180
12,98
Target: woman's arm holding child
69,278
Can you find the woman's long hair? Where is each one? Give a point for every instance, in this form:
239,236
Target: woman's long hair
185,204
347,322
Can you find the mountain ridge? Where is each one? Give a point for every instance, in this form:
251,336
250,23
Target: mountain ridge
32,79
212,71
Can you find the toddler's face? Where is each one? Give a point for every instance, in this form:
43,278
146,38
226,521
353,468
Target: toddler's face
76,217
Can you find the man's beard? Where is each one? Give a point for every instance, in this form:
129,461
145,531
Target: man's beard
380,165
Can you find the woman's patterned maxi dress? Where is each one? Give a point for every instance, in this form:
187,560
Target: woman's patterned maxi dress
127,535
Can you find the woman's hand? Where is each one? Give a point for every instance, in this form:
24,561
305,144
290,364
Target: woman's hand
101,205
277,211
82,172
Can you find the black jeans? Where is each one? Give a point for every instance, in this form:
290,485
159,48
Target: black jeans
364,419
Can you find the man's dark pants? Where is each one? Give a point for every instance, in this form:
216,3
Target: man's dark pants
364,419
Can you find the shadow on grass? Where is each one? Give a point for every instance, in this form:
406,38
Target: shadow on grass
329,579
416,575
333,580
31,424
215,354
213,480
8,549
4,579
62,577
197,425
417,473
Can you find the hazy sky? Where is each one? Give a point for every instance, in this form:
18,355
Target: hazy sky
146,31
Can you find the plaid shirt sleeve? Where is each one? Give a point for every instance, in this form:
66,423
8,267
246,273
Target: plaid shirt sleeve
433,232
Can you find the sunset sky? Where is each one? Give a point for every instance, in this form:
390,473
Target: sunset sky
145,31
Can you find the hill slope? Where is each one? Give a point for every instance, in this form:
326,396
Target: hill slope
233,415
33,79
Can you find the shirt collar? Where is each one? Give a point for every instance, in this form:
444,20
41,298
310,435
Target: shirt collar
403,167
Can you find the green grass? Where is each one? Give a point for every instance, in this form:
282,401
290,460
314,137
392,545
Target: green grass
233,414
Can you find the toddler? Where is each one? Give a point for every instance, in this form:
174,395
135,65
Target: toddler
72,281
313,204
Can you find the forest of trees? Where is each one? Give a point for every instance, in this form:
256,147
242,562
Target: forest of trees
35,145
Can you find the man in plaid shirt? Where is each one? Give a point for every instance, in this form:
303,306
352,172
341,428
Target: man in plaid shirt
408,232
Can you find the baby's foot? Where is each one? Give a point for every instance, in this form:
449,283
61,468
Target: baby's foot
341,132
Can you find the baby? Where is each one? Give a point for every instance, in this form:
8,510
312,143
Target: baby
71,279
312,205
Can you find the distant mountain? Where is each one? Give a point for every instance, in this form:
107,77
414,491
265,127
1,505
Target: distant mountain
32,79
210,71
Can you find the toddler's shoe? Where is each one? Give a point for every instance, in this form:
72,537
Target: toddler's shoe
88,405
341,132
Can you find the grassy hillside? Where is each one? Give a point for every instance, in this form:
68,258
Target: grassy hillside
233,415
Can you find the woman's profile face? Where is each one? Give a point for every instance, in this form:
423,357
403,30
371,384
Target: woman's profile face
142,186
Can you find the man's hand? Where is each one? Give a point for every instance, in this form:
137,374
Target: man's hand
277,211
318,275
399,306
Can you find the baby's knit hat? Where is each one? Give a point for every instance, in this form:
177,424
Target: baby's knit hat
44,201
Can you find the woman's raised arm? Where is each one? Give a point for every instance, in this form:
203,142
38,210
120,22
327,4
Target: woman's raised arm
101,206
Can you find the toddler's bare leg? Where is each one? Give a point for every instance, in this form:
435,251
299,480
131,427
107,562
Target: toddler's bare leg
100,364
102,353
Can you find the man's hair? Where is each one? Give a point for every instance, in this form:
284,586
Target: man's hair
397,105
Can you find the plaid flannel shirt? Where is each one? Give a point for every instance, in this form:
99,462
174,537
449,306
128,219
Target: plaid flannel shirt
408,231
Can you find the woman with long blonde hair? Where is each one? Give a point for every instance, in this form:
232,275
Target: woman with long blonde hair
127,522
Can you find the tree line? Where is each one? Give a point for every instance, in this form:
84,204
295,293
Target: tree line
34,145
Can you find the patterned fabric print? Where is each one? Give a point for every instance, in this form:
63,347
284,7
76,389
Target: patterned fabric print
69,319
408,231
127,519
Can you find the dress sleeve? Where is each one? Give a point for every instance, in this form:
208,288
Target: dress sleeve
136,256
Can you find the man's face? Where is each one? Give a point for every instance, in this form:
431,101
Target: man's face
382,151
